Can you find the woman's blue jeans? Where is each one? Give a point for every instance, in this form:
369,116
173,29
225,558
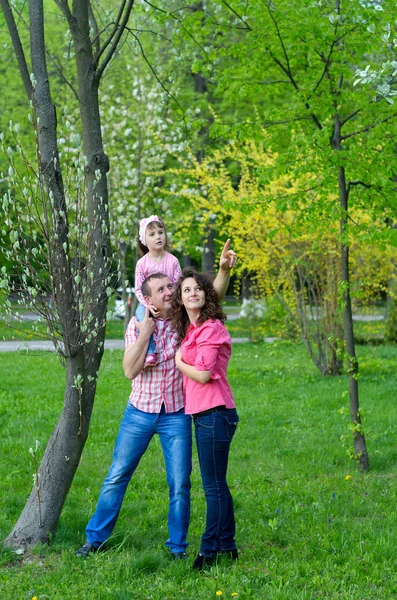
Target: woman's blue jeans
214,433
136,430
140,315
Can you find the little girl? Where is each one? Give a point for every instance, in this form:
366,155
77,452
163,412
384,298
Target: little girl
155,259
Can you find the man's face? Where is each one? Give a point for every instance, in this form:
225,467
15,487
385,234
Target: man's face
161,295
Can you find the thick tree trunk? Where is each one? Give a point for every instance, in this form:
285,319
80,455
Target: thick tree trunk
82,356
40,515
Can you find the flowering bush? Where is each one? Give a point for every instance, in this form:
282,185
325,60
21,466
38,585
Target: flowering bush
254,312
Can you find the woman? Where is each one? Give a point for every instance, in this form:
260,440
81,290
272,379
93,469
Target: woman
204,353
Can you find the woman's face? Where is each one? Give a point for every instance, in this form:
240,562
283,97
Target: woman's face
193,297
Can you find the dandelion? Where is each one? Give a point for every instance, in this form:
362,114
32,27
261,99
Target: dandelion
234,594
348,477
219,593
34,598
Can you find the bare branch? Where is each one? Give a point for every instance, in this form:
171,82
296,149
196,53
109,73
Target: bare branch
327,62
354,183
64,7
160,35
280,39
111,36
100,32
273,82
61,73
94,25
180,23
18,49
246,25
117,35
157,7
155,74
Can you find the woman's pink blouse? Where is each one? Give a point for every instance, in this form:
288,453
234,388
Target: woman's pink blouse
208,348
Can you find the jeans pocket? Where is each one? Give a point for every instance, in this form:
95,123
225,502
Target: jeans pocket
231,426
207,422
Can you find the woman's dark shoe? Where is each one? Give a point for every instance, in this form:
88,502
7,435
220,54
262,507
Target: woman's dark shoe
200,562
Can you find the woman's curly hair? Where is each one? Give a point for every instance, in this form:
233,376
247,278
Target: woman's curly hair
211,309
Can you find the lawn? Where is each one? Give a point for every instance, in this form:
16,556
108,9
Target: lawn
309,525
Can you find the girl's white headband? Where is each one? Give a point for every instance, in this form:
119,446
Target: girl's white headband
142,227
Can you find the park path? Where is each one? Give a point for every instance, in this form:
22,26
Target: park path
47,346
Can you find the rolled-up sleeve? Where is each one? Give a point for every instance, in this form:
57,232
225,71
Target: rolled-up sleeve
131,333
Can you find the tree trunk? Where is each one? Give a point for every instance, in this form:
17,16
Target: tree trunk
82,354
208,256
358,435
39,518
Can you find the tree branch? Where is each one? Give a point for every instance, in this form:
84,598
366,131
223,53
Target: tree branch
281,40
273,82
246,25
326,66
111,36
346,119
64,7
362,183
116,35
18,49
94,25
155,74
61,73
101,31
365,129
285,69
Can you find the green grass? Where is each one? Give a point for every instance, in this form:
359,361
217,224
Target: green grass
304,530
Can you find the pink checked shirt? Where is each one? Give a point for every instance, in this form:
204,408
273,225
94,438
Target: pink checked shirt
145,266
162,383
208,348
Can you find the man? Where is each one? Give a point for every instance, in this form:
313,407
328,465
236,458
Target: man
155,406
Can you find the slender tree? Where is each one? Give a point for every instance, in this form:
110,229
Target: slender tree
300,61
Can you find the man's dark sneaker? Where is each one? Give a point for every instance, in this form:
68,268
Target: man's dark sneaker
85,550
179,555
200,562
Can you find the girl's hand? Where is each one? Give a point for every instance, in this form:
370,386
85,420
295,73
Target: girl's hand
153,310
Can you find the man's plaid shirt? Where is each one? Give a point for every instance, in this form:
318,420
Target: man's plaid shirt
162,383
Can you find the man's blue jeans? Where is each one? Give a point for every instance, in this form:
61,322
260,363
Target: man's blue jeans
214,433
136,430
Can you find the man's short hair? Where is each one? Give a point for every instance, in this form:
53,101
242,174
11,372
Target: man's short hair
146,289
